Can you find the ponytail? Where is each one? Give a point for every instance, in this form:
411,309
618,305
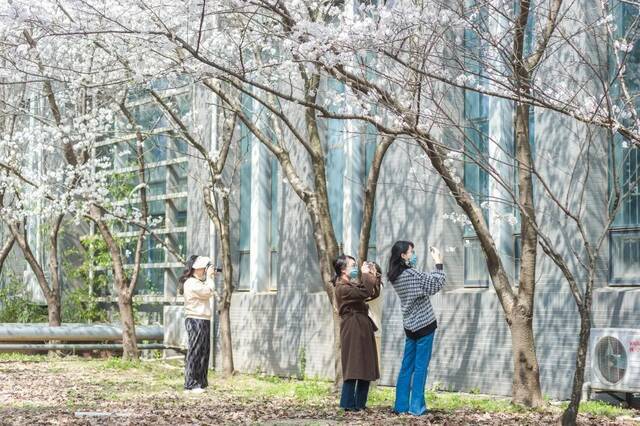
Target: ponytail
186,274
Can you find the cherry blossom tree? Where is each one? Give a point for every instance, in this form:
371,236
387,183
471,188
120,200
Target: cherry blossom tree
170,35
406,67
72,91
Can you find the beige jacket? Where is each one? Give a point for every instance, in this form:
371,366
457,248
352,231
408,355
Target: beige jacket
197,298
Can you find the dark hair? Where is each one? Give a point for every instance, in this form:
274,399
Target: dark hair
186,274
339,264
378,272
378,268
396,263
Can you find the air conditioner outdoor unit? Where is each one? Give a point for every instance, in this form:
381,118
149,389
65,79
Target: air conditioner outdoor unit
615,360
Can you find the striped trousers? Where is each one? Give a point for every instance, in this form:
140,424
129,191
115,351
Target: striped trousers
197,361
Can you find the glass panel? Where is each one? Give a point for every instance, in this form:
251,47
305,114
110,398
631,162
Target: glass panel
475,264
150,282
335,165
476,179
157,212
245,198
626,14
154,251
180,148
155,148
126,154
473,54
624,260
529,31
627,155
181,211
628,180
148,115
625,257
156,180
243,272
106,152
275,221
476,113
275,204
177,177
183,104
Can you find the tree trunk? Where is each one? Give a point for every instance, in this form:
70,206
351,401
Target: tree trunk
225,339
226,345
526,372
221,222
54,302
368,210
124,288
54,311
5,250
570,415
326,271
129,344
337,350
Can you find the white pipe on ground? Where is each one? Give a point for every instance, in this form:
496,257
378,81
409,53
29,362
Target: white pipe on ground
10,332
10,347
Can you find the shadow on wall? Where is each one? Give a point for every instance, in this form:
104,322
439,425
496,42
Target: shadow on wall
287,332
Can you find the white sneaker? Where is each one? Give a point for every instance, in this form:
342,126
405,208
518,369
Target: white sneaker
194,390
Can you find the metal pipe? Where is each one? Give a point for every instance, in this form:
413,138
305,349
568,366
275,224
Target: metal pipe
7,347
74,332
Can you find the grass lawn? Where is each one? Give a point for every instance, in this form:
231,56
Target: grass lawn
72,390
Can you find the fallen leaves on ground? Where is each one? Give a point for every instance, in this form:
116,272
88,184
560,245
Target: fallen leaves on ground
82,392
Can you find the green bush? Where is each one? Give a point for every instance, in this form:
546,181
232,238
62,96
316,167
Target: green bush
16,306
81,305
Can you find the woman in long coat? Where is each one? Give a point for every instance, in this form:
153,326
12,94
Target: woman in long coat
357,330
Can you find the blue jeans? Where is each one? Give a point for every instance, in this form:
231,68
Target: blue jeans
354,394
413,376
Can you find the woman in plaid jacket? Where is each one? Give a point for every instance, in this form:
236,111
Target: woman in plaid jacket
414,288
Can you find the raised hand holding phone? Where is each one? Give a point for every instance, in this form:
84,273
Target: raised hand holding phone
435,254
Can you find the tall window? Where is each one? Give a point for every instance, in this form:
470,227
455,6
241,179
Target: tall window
166,172
275,222
476,114
529,31
335,165
624,242
244,243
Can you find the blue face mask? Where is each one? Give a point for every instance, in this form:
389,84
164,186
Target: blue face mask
414,260
353,274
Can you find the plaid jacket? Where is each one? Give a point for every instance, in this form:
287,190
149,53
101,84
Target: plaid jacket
414,288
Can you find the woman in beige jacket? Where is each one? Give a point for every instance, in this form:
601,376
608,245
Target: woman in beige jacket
196,283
